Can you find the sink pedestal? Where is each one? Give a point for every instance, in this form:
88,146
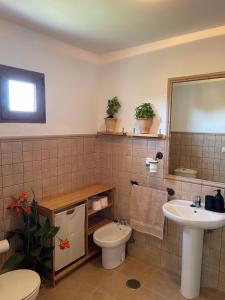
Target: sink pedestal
191,262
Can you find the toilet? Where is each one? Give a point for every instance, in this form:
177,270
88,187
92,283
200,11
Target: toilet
19,285
112,239
185,172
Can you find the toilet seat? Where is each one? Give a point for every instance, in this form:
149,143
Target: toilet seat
19,284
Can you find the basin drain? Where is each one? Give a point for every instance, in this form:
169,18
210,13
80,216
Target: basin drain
133,284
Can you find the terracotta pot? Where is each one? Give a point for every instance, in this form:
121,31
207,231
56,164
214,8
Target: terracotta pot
110,124
144,125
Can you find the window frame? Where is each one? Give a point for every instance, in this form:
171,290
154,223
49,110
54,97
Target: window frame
11,73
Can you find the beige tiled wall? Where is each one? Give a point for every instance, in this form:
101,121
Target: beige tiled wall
202,152
52,166
49,166
123,159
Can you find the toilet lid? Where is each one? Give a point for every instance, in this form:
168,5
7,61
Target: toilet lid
19,284
186,171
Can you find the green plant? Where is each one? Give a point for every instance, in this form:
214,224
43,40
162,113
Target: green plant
36,237
144,110
112,107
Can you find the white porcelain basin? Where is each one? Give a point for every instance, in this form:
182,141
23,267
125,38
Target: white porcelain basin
194,221
181,212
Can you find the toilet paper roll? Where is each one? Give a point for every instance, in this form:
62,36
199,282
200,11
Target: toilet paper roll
96,205
153,168
4,246
104,201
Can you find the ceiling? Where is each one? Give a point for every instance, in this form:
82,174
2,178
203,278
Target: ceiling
102,26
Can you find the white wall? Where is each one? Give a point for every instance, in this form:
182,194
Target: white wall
77,90
144,78
70,81
199,106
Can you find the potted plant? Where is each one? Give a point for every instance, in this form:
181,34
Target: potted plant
144,113
112,108
36,237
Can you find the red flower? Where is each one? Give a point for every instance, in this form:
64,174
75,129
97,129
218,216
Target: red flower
23,196
17,212
67,243
14,204
64,244
61,246
22,202
27,209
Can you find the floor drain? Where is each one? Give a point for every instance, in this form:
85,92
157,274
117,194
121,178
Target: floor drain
133,284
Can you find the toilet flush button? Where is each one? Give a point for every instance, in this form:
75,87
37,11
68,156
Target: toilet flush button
223,150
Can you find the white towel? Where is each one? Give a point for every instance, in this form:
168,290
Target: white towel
146,210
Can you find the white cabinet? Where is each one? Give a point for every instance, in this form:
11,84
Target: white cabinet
72,227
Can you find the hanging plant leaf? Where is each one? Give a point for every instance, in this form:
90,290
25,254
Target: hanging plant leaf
14,260
51,233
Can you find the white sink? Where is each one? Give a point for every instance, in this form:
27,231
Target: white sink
181,212
194,221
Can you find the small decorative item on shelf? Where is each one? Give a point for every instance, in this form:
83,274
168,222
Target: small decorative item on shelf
36,236
144,113
112,109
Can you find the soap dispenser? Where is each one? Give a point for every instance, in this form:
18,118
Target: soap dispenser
219,201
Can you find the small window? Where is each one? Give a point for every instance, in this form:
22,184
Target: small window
22,96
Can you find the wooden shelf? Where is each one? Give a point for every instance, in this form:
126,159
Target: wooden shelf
147,135
130,134
98,224
92,212
62,202
111,133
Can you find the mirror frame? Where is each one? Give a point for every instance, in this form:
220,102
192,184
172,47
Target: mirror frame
171,81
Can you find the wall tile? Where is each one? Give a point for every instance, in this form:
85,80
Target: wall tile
166,253
51,166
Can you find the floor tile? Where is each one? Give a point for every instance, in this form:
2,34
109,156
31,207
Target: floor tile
91,273
135,268
145,294
115,286
68,289
99,295
92,282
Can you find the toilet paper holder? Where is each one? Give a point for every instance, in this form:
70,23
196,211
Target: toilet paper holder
152,164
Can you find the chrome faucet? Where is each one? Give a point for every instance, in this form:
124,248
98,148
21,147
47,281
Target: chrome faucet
197,201
121,221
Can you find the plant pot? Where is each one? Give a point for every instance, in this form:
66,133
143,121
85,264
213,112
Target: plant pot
144,125
110,124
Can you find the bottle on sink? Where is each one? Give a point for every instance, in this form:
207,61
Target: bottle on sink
219,201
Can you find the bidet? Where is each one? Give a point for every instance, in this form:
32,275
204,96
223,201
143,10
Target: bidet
112,239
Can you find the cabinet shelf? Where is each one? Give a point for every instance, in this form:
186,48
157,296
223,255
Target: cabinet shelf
50,208
97,224
92,212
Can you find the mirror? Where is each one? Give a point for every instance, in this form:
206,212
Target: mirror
197,127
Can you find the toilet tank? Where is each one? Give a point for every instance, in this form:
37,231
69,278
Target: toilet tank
72,227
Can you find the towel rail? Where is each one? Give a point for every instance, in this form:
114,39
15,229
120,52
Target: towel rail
170,191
